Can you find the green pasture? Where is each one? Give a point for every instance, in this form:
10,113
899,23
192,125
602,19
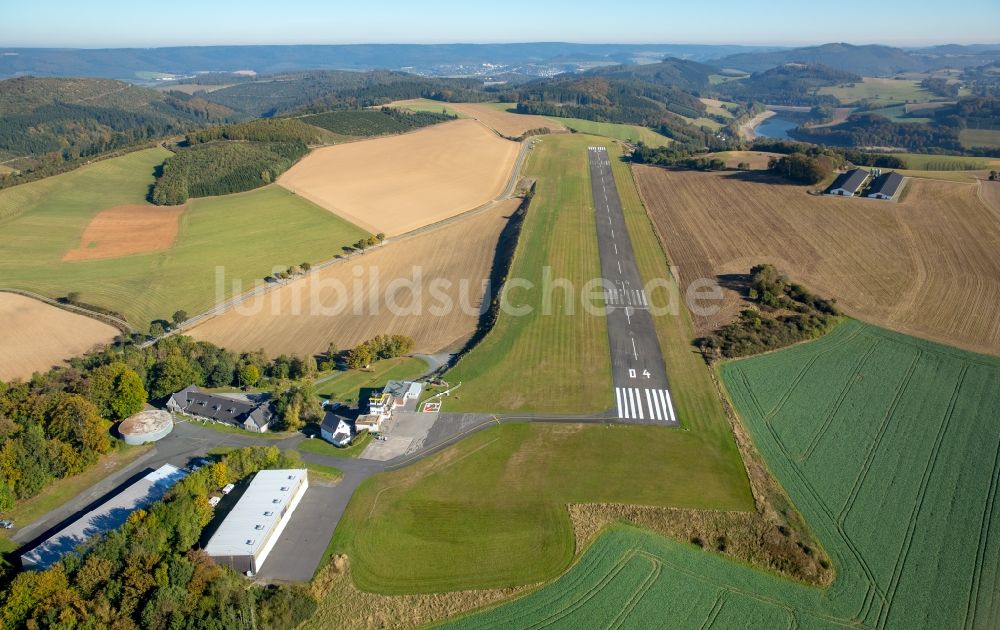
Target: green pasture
240,238
618,131
884,91
980,138
345,386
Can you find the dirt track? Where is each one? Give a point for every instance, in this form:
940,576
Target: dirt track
926,265
399,183
36,336
306,315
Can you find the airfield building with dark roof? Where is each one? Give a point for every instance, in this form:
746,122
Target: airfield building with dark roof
239,412
886,186
848,184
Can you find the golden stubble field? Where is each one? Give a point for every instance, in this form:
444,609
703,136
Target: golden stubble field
926,266
400,183
36,336
373,294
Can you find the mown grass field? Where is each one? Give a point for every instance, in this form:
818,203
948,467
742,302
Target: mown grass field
883,91
344,386
428,105
246,234
888,446
536,362
618,131
490,511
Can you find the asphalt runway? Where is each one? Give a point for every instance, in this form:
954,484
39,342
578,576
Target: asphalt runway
642,391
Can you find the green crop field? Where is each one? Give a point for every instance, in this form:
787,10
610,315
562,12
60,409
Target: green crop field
245,234
929,162
890,448
428,105
884,91
618,131
491,511
345,386
980,138
896,113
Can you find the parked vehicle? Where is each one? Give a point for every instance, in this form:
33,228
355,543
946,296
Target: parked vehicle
214,501
7,524
229,488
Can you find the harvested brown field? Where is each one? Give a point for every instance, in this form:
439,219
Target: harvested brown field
504,122
126,230
371,294
756,159
400,183
35,336
925,265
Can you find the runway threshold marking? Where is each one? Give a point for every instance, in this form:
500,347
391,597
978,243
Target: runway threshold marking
629,403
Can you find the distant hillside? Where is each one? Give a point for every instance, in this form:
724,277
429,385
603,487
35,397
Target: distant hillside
679,73
870,60
439,59
65,119
791,84
324,90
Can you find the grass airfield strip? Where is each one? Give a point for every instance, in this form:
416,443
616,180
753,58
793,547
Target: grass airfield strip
885,443
491,510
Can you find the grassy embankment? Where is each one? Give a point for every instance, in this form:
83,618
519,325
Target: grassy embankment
245,234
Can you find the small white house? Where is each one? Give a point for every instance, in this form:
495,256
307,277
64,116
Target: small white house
336,430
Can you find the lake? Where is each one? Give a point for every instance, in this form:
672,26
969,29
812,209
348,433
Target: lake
776,128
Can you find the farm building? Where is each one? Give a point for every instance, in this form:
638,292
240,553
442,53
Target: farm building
336,429
239,412
105,517
146,426
885,186
251,529
849,183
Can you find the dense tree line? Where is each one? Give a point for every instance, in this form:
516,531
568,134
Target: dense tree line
223,167
785,313
801,168
378,348
941,87
872,130
880,160
149,573
374,122
262,130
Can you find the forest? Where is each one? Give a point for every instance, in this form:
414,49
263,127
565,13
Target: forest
232,158
374,122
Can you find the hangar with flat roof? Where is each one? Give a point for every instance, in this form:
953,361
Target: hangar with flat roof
251,529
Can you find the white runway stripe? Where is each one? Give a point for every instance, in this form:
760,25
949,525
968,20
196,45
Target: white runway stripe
670,407
656,404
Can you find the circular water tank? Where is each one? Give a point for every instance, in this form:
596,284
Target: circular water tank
146,426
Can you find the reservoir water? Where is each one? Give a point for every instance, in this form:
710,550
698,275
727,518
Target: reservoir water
776,128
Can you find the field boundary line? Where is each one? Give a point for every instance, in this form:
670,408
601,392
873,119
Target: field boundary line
911,527
267,287
984,542
123,326
862,475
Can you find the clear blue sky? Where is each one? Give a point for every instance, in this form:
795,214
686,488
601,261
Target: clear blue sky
142,23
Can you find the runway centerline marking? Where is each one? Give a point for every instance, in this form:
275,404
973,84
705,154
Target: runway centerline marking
634,353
